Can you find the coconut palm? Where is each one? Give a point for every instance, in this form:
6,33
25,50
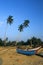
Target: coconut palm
9,21
20,28
26,23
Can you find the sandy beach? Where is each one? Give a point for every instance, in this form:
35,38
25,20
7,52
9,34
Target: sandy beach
9,56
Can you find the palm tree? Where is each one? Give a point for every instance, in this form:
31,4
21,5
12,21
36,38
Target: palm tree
9,21
20,28
26,23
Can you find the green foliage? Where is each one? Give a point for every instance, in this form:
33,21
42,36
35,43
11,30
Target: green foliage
8,43
10,20
20,43
35,42
26,23
1,42
20,28
13,43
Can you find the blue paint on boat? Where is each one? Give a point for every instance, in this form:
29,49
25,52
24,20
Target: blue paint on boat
32,52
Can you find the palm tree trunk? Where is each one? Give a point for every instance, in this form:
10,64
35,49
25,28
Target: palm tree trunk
5,35
18,37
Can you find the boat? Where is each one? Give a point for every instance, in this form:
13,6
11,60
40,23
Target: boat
28,52
25,52
40,54
35,48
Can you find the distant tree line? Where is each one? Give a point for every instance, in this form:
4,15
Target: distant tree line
34,42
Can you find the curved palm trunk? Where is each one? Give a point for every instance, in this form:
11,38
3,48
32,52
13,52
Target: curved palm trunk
5,35
18,37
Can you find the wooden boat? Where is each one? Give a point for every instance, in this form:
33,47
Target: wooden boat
35,48
28,52
40,54
25,52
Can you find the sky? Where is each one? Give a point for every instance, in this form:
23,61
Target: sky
21,10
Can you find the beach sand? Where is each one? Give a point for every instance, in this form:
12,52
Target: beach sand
8,56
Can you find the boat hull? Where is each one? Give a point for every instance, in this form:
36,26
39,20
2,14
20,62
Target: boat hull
40,54
29,51
32,52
